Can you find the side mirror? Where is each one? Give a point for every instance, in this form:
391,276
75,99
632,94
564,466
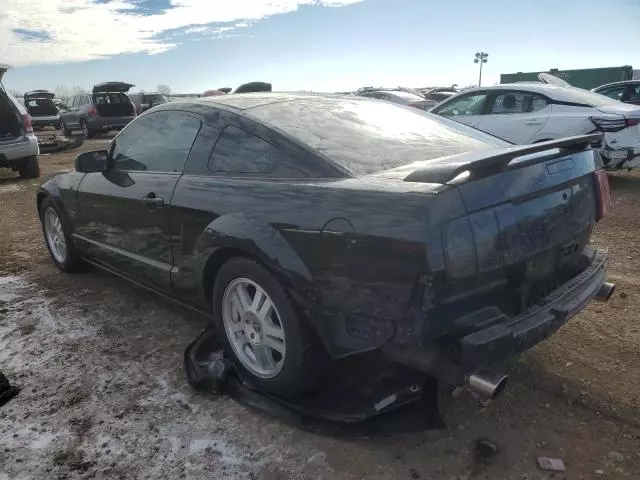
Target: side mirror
92,162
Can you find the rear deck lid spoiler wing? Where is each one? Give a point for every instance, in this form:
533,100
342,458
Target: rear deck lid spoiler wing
488,162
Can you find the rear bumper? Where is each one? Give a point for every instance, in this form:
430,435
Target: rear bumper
22,147
108,123
479,350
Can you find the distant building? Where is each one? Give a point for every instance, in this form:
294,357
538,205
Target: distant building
584,78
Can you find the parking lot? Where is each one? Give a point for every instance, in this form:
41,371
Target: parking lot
104,394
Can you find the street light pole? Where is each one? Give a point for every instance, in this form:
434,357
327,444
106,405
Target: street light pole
481,57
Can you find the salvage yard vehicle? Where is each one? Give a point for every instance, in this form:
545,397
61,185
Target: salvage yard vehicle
18,144
45,116
314,227
627,91
107,108
399,96
144,101
530,112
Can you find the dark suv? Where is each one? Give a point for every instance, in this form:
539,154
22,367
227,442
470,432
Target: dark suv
145,101
107,108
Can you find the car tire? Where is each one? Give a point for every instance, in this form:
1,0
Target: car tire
85,128
66,130
29,167
303,358
71,261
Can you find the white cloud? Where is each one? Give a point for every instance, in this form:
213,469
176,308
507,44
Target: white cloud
77,30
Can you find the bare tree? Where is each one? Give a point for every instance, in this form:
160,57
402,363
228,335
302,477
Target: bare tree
15,93
78,89
62,91
164,89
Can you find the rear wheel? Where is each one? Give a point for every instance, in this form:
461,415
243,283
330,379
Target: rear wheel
29,167
58,239
85,128
261,329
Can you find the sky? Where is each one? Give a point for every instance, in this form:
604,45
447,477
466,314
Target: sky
319,45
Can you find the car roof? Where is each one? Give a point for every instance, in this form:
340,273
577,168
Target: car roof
555,92
245,101
613,84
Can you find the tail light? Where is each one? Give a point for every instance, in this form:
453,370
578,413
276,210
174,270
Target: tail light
610,124
92,111
603,194
26,123
631,122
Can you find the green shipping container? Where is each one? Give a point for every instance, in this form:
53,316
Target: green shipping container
585,78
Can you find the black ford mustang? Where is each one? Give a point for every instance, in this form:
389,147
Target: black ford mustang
315,227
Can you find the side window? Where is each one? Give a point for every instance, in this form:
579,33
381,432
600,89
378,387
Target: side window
633,94
614,92
466,105
517,102
73,102
238,151
156,143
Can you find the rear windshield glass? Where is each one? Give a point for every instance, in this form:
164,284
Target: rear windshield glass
110,98
367,136
41,106
592,99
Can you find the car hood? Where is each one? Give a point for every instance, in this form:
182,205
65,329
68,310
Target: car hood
112,87
39,94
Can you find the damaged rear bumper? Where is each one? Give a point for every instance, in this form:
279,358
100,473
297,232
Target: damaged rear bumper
479,350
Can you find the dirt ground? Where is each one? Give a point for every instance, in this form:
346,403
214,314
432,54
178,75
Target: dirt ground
104,394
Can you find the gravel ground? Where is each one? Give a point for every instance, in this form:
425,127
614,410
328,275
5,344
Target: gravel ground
104,395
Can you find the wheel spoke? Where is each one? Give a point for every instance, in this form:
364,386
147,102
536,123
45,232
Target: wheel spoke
273,331
264,358
264,313
258,299
236,327
243,297
274,343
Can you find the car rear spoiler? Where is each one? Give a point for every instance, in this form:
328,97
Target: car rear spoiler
484,163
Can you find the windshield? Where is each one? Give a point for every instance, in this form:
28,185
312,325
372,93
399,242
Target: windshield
368,137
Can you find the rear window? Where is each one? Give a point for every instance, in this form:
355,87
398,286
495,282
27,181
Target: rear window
110,98
368,137
592,99
411,97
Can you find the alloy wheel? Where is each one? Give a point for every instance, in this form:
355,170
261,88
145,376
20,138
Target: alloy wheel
254,329
55,235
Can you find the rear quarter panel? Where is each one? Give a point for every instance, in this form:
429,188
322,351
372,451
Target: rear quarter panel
346,250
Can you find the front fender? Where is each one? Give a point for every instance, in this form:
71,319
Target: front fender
62,190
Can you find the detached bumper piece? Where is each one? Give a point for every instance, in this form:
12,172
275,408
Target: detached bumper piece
361,395
476,352
7,391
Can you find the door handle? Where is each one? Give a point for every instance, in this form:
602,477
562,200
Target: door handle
533,123
153,201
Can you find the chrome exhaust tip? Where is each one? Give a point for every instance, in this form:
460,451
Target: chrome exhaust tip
605,292
488,384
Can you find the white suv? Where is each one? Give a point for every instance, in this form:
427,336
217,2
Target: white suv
18,144
533,112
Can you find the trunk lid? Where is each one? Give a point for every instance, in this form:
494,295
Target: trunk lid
619,108
526,207
121,87
39,94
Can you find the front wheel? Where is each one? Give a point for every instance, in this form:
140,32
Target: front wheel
85,128
261,329
29,167
58,239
